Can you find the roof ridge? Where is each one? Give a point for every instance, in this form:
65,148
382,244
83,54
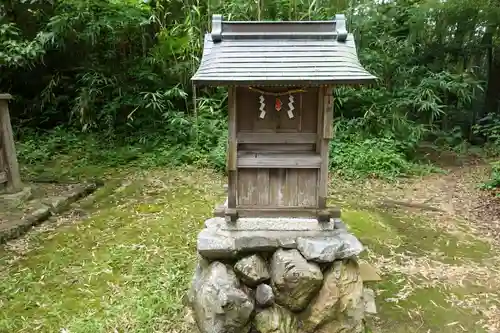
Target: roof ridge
334,29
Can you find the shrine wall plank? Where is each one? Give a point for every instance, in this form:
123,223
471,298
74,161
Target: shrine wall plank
277,187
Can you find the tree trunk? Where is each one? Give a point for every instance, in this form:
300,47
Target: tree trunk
492,97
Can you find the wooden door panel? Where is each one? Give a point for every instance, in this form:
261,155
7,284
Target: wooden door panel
277,187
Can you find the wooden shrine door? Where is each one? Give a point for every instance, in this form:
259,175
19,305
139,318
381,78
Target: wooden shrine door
277,162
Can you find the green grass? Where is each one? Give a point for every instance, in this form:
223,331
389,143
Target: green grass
127,266
423,310
383,230
409,302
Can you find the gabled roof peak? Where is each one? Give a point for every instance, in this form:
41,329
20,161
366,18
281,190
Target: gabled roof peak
280,53
231,30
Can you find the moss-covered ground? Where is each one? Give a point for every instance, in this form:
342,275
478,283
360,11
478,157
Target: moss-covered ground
122,262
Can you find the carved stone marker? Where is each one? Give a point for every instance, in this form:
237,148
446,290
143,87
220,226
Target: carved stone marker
275,258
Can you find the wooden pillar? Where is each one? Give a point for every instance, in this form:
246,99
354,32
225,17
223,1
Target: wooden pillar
8,147
325,134
231,213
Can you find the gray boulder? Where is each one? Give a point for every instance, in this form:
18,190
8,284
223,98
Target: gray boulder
212,244
339,303
218,302
294,280
252,270
276,319
197,279
264,295
343,245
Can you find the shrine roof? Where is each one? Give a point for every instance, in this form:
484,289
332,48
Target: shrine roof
282,53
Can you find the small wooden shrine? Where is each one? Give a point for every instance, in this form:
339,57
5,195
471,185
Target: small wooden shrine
280,77
10,180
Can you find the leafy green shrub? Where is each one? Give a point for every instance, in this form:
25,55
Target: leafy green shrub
34,148
14,50
368,157
219,154
122,69
494,181
489,128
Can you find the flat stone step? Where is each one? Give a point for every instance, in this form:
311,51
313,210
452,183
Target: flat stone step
321,242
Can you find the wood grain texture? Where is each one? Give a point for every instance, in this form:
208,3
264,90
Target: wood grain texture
280,187
262,187
324,150
309,110
247,181
232,189
291,190
304,120
304,212
11,165
276,138
328,115
307,190
278,160
319,118
276,147
232,141
277,186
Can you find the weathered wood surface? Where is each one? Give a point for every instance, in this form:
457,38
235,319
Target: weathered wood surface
323,144
277,187
304,120
276,148
231,213
232,131
278,166
10,165
297,212
276,138
278,160
328,115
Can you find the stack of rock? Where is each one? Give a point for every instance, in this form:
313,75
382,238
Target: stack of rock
277,275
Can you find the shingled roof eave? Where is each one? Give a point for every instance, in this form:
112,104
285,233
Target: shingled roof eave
283,82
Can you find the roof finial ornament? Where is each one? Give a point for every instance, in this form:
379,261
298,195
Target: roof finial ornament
340,26
216,28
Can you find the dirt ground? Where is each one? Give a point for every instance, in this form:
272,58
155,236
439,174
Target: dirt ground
447,197
451,204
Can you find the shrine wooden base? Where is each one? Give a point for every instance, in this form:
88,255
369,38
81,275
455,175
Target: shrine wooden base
232,214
